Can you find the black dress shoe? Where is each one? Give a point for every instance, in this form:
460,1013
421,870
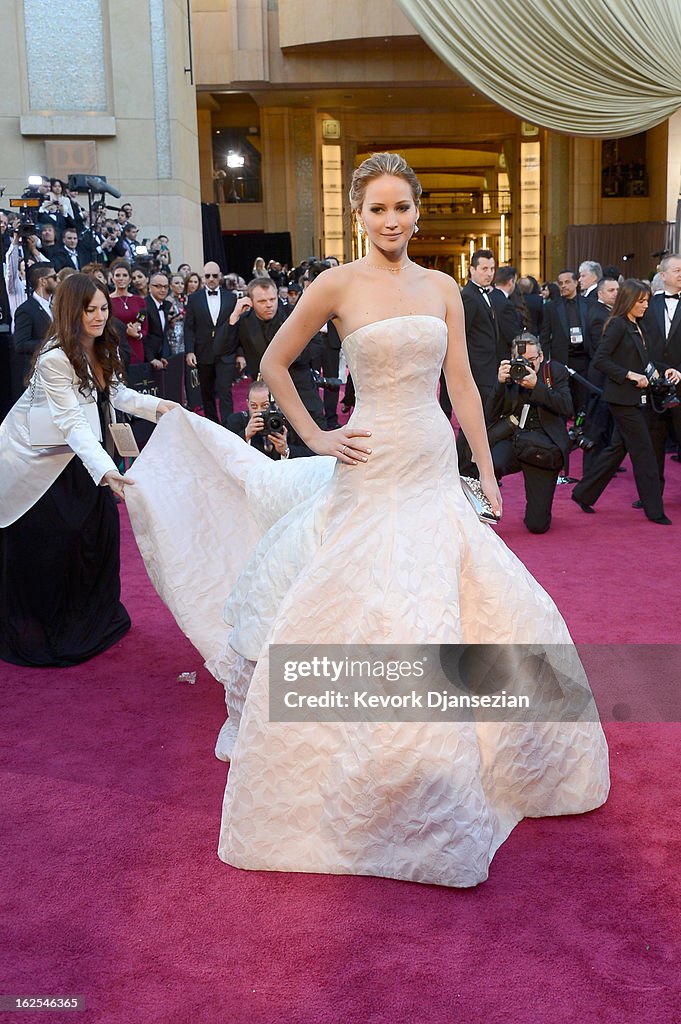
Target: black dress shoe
662,521
583,505
637,504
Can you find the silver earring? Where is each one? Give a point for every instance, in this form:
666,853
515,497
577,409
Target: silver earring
416,229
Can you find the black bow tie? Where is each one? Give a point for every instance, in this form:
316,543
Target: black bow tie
212,293
672,296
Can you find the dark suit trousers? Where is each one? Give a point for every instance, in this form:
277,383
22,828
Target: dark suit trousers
540,485
445,400
632,435
580,393
330,368
216,379
659,429
466,465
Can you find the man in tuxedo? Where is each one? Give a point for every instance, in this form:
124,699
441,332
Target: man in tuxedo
254,330
541,402
32,321
482,341
72,253
590,273
662,325
508,318
209,310
563,334
158,321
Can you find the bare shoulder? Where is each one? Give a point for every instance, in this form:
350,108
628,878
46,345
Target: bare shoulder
445,284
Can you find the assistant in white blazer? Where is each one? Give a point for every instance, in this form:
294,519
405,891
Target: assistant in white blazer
59,526
26,472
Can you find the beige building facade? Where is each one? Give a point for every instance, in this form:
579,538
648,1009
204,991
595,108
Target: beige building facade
273,105
99,87
316,86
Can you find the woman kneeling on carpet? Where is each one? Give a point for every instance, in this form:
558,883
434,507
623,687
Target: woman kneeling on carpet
59,529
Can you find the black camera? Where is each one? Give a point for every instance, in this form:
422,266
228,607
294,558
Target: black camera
662,392
273,420
328,383
578,438
519,368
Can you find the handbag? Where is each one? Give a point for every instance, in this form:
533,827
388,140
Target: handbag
43,432
535,448
479,500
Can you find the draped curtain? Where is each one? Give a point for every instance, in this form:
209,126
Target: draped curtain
642,243
605,68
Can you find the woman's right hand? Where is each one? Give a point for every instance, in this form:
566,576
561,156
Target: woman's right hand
639,379
134,329
345,444
117,483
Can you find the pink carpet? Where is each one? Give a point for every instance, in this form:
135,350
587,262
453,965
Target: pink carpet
111,887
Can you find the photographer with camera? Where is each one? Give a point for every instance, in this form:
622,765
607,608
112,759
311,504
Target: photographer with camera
255,320
526,414
263,426
634,386
22,254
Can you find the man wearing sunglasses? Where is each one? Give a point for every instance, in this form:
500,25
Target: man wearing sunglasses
32,321
207,310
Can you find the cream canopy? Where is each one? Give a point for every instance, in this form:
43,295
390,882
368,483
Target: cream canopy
585,67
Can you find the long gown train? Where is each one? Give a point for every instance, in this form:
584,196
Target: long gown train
387,552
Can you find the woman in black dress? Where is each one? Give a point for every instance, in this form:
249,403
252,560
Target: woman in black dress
59,536
624,356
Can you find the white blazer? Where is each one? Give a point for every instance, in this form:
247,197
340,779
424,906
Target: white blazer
26,473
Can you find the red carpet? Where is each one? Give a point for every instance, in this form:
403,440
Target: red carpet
112,890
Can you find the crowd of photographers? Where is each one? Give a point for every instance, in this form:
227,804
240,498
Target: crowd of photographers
550,375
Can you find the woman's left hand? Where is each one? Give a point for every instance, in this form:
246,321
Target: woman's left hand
673,375
490,487
164,407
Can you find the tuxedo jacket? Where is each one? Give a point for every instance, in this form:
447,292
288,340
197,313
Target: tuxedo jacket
209,342
553,404
60,258
620,351
482,338
156,338
597,316
555,330
254,335
31,326
667,351
509,322
535,309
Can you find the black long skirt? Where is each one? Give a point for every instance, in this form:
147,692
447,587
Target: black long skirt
59,575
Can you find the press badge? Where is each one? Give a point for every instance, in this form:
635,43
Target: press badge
576,336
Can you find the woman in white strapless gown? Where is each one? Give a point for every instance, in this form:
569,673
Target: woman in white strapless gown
362,547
